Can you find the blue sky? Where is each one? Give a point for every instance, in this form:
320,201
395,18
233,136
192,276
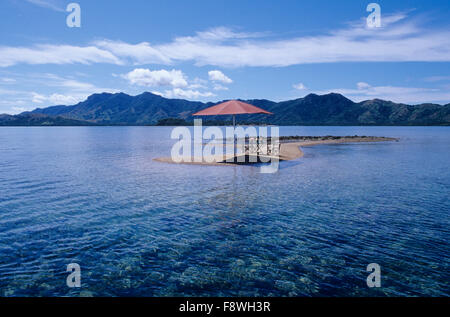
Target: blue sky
216,49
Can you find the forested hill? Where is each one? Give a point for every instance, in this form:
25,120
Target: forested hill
149,109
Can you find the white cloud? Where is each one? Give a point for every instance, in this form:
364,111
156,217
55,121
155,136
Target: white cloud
142,53
38,98
175,79
157,93
55,54
10,92
14,106
77,85
198,83
400,39
186,94
223,33
17,110
48,4
54,99
437,78
220,87
299,86
62,99
146,77
45,90
218,76
409,95
397,40
8,80
78,89
362,85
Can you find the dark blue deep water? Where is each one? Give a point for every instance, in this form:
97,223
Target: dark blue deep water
94,196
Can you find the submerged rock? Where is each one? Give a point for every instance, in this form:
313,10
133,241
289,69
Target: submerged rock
285,286
86,293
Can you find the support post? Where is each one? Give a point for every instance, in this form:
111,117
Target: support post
234,135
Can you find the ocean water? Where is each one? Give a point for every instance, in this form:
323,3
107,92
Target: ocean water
136,227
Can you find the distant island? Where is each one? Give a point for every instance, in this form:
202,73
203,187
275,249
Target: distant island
150,109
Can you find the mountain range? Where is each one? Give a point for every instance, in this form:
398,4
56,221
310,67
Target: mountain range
151,109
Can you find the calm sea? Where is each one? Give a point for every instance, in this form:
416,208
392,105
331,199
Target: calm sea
136,227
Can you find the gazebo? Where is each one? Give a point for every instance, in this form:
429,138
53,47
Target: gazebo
232,107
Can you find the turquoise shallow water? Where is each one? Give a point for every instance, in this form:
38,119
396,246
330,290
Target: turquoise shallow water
93,195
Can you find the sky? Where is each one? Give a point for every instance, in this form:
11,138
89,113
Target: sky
212,50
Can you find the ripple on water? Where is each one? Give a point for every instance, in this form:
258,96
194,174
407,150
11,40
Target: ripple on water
141,228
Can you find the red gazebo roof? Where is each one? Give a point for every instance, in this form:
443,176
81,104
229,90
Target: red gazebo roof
230,107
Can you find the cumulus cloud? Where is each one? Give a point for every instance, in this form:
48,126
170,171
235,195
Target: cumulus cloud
362,85
218,76
180,86
299,86
155,78
175,79
198,83
186,94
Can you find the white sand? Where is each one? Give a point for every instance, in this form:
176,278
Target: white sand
288,151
